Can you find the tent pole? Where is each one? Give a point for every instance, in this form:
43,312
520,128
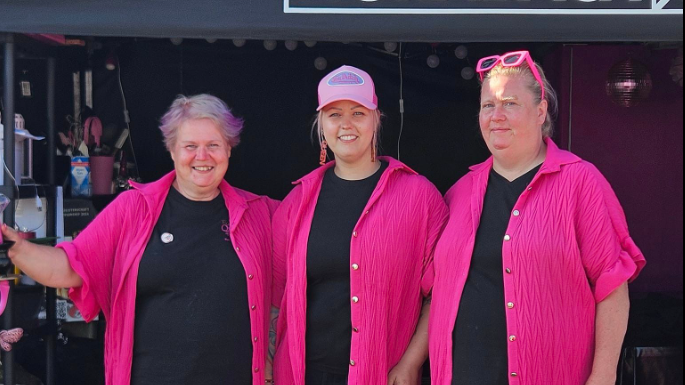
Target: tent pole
8,186
50,293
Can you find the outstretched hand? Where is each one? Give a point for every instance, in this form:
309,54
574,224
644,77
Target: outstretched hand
10,234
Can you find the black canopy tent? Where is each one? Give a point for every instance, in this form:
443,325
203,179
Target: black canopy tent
328,20
354,20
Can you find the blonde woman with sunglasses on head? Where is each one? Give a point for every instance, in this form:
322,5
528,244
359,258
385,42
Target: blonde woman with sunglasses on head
532,268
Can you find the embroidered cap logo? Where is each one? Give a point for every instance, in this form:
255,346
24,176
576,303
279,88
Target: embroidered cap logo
345,78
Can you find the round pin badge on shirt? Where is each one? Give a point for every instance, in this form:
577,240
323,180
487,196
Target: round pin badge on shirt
167,237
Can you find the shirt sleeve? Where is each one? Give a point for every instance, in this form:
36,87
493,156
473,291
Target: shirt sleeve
91,255
279,226
437,220
609,255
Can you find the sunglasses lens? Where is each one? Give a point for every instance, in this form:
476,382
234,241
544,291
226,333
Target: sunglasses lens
511,59
487,64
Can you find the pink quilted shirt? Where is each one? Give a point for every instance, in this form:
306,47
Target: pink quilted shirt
566,248
107,254
391,269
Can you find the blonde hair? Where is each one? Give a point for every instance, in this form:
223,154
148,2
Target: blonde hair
525,72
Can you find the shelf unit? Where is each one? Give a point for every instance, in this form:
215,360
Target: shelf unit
9,43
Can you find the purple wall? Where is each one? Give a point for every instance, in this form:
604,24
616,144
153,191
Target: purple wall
638,149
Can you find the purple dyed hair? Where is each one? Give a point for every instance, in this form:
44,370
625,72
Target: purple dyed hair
201,106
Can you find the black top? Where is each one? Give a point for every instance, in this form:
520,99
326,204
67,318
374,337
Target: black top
192,323
329,313
479,353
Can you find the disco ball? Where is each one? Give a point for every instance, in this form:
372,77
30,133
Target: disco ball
629,83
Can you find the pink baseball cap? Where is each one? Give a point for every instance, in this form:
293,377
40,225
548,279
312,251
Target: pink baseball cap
348,83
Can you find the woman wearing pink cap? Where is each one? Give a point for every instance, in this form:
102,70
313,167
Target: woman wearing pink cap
353,247
532,268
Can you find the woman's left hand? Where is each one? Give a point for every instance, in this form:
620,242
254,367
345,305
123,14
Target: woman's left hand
403,375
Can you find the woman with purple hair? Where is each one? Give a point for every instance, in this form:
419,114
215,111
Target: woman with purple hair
180,267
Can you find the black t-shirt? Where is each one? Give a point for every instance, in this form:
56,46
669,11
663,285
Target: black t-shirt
480,342
329,313
192,322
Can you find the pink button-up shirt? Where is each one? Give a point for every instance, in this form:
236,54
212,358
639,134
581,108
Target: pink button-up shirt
391,269
566,248
107,254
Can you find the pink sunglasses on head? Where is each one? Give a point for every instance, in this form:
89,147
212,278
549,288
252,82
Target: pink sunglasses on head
511,59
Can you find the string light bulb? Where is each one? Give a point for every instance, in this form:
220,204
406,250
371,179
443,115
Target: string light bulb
433,61
320,63
390,46
461,52
467,73
291,45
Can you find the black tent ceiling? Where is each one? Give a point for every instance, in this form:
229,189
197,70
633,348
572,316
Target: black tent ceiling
354,20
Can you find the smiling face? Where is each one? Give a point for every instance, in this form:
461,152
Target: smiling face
200,156
510,118
349,130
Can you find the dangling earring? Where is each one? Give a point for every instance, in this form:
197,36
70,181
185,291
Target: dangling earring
324,154
373,149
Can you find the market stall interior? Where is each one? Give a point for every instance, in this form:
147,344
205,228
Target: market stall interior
620,108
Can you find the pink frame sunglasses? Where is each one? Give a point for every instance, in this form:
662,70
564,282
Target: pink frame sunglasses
510,59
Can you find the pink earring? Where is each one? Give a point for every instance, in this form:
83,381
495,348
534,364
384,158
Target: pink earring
324,154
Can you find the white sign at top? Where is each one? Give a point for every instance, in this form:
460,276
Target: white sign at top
486,7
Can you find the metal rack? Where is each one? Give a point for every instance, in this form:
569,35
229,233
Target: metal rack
8,188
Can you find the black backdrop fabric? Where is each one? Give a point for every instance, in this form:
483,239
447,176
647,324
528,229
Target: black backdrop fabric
276,93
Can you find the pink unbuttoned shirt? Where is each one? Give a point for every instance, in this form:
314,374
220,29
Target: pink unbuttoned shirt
566,249
391,269
107,254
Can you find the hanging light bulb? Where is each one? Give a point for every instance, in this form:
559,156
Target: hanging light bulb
461,52
310,43
111,61
291,45
211,40
390,46
433,61
176,40
239,42
320,63
467,73
270,45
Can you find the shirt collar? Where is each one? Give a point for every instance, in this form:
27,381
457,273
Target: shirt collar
393,164
554,159
162,186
